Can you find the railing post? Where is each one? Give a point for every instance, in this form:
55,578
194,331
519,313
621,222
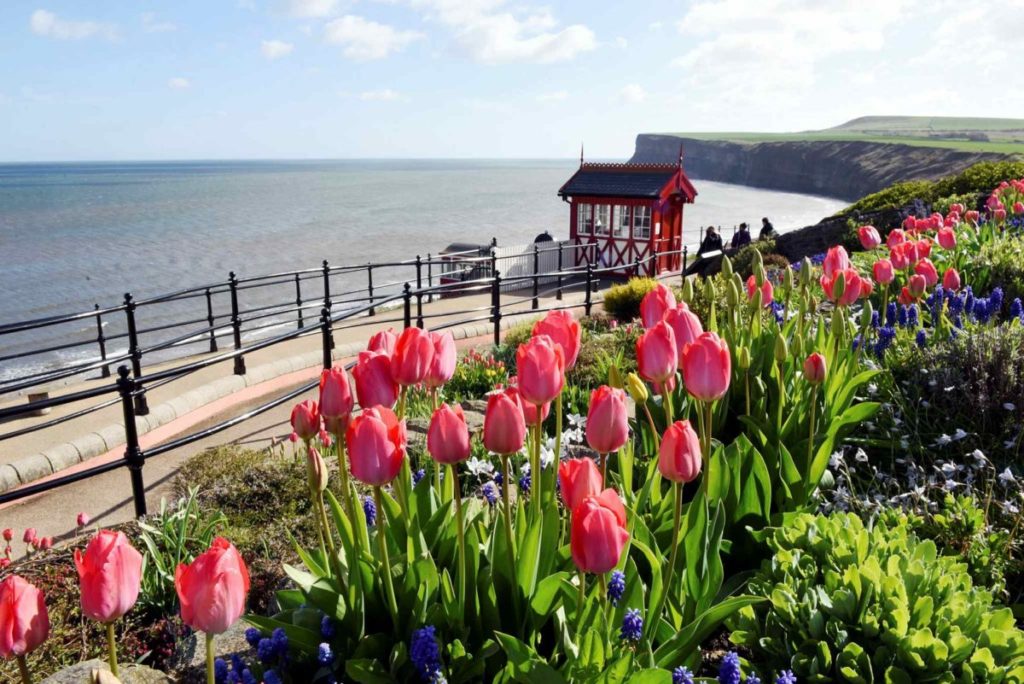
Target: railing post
236,323
536,278
101,340
636,266
430,277
496,307
682,271
210,320
369,289
133,456
327,335
587,302
419,295
327,285
407,305
558,293
494,257
135,351
298,300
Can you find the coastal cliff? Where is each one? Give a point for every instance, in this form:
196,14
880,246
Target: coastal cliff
844,169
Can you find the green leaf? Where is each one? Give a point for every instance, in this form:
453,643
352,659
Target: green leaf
368,671
524,663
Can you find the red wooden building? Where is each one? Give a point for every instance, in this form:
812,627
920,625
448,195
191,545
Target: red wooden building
628,211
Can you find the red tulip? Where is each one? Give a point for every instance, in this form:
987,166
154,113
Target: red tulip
869,237
212,589
882,270
866,287
306,419
851,287
110,575
336,400
895,237
579,478
564,329
999,215
927,269
598,535
30,536
607,420
767,291
657,356
442,365
679,457
655,303
947,238
910,223
448,436
1018,208
951,279
375,386
383,341
376,445
707,367
924,248
411,359
9,534
686,326
835,260
82,520
956,208
898,257
905,298
541,367
24,622
917,285
814,369
504,423
972,216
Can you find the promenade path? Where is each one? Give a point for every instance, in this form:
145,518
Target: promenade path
203,399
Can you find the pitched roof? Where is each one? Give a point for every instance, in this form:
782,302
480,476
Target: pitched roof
623,180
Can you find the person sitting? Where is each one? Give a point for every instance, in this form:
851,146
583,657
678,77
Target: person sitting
742,237
767,230
712,242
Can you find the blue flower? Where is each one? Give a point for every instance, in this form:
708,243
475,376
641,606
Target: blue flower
921,339
1016,308
252,636
220,671
632,626
874,319
498,478
903,317
786,677
271,677
885,337
370,511
417,476
326,627
280,639
425,654
856,342
524,483
682,675
890,314
995,299
247,677
324,655
265,651
752,679
616,587
490,493
729,669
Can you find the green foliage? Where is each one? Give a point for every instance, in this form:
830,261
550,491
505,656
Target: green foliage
972,181
849,603
999,262
602,349
476,374
623,301
743,260
896,195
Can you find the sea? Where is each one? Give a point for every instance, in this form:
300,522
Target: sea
73,235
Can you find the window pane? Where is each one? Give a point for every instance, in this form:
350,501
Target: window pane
584,219
601,219
642,223
621,219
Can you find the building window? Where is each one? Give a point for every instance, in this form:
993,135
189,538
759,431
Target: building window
642,223
584,219
621,220
602,219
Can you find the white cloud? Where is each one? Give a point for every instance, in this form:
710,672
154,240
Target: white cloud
491,34
275,49
621,43
150,24
178,83
633,93
556,96
364,40
382,95
49,25
312,8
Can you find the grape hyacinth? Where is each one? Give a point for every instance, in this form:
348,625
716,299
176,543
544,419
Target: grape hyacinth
752,679
490,493
682,675
425,654
616,587
498,479
885,337
786,677
1016,309
874,320
271,677
324,655
921,339
524,483
903,317
265,651
632,626
729,669
890,314
253,636
417,476
370,511
326,627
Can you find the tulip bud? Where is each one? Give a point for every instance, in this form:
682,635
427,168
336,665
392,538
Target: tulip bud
614,376
781,348
865,314
637,389
787,278
732,295
839,286
756,300
316,470
743,357
805,272
103,677
758,269
814,369
709,289
726,267
688,290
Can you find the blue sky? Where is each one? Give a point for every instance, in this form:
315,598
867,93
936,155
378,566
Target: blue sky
478,78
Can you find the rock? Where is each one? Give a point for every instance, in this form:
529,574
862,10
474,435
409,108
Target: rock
130,674
474,410
190,654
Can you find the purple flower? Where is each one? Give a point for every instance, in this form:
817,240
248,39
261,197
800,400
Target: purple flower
616,587
425,653
682,675
632,626
729,669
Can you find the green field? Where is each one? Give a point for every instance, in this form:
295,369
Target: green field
1002,136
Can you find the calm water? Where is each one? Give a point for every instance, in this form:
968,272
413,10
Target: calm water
72,235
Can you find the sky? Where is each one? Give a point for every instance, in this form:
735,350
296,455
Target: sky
260,79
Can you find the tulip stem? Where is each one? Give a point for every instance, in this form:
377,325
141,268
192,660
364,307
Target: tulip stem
210,677
580,600
746,388
346,493
26,678
654,429
706,428
461,527
509,539
666,399
677,516
810,438
382,544
607,604
112,648
604,468
535,473
558,433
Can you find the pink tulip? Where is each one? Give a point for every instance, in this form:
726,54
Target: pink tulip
383,341
655,303
956,208
707,367
947,238
448,436
579,478
951,279
30,536
531,415
883,272
898,257
306,419
866,287
836,259
685,325
905,297
999,215
376,446
212,589
924,248
972,216
597,537
851,287
895,237
1018,208
607,420
336,399
83,519
909,223
316,470
110,575
24,622
504,423
767,291
917,285
412,357
564,329
442,365
9,534
540,363
375,385
869,237
679,457
325,438
657,356
927,269
814,369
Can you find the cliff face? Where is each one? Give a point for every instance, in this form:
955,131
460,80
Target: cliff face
847,170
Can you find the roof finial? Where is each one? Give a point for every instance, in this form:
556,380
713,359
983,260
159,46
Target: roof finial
680,155
581,154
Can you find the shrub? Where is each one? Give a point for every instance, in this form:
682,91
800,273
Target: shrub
861,604
972,181
774,262
743,260
896,195
623,301
999,263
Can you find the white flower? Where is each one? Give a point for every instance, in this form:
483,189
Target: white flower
479,468
979,457
861,456
872,388
1009,406
1010,444
1006,477
835,460
547,455
576,420
959,434
948,389
943,440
